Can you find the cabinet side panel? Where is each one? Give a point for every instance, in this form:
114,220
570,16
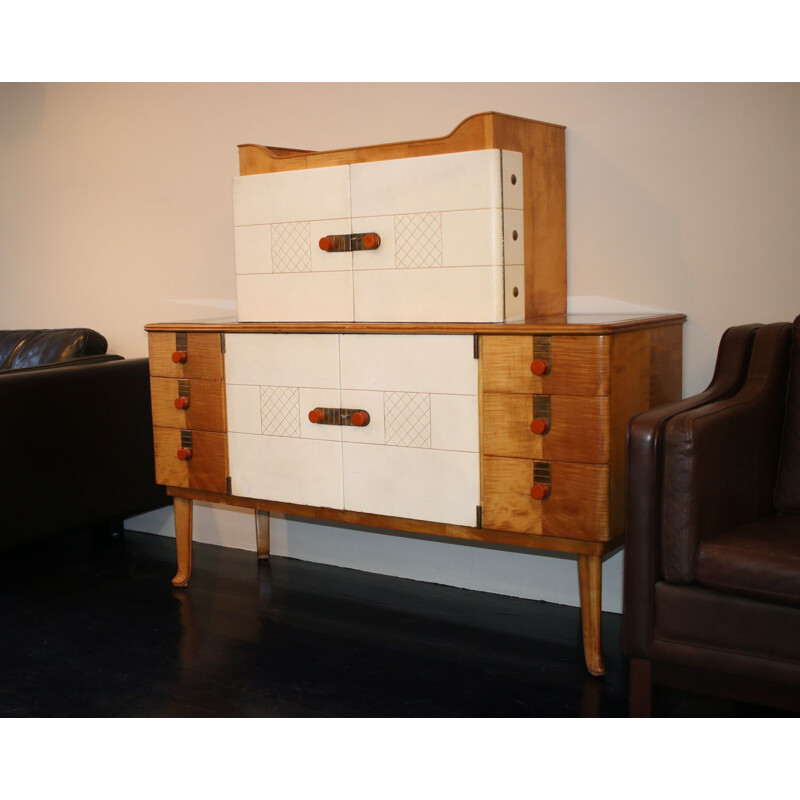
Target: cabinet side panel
448,294
283,359
409,363
292,196
295,297
289,470
450,182
426,484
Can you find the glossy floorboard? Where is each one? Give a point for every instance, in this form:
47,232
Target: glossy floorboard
92,628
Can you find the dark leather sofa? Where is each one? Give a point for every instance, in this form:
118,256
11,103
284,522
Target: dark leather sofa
76,433
712,565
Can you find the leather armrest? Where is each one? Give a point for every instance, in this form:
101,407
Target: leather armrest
721,459
77,446
645,435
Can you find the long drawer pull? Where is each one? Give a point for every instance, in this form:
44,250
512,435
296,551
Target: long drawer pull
349,242
355,417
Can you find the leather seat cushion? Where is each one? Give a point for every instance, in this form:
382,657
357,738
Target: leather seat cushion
697,617
31,348
760,560
787,493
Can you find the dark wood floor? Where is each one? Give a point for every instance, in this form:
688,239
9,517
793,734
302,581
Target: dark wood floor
91,627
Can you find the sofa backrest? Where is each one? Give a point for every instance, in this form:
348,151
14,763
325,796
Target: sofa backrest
787,492
31,348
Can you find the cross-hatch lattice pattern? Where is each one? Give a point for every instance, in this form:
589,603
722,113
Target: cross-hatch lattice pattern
291,248
280,411
418,241
407,419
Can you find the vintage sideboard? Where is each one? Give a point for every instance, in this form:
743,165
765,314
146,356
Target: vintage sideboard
509,434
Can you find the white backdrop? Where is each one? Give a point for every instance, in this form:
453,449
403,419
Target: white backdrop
116,212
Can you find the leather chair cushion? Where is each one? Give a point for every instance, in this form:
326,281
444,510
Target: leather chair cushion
787,493
761,560
31,348
725,623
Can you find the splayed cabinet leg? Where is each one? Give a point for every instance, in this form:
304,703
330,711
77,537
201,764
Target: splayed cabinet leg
183,539
590,578
262,534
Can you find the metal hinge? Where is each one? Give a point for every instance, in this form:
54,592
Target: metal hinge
479,516
222,342
228,485
476,345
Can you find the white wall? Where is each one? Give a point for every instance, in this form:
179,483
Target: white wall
116,211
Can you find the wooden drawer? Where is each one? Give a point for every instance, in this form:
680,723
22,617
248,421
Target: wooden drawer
208,467
576,508
578,427
203,355
577,365
206,399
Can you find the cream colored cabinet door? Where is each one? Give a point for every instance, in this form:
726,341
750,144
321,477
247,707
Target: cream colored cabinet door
416,458
272,381
281,273
451,241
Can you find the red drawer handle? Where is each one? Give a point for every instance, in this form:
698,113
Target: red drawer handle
540,426
180,356
540,491
540,366
185,454
360,419
327,243
371,241
181,403
316,415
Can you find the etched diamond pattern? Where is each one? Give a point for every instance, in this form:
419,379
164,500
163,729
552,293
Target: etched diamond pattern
418,241
291,249
407,419
280,411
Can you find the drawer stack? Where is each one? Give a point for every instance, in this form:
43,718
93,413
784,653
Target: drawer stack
187,391
545,438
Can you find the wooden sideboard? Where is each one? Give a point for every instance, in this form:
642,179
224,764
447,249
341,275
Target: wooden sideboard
508,434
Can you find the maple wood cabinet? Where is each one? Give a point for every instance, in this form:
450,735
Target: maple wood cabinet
510,434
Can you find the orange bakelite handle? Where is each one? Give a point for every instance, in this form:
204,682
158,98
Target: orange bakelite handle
540,426
181,403
540,491
316,415
326,243
180,356
539,366
185,454
371,241
360,419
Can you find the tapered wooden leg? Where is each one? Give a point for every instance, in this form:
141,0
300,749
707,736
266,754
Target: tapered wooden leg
262,534
641,688
590,579
183,540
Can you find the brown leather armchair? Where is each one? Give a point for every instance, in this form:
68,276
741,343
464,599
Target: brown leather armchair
712,564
